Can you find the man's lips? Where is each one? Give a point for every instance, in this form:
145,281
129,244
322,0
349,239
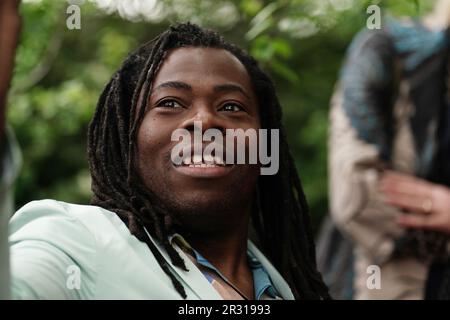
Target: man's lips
204,170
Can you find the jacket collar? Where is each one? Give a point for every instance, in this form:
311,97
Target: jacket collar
197,282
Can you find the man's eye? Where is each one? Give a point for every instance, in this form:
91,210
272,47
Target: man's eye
233,107
172,104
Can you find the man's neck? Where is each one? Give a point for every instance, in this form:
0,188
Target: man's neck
227,252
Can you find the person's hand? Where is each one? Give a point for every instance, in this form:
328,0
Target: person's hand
9,35
428,203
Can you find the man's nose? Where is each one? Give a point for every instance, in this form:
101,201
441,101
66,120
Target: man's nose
207,116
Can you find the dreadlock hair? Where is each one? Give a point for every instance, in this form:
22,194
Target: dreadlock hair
280,214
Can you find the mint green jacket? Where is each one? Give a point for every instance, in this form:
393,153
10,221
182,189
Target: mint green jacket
66,251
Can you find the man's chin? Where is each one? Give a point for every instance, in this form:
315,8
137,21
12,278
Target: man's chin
201,205
202,215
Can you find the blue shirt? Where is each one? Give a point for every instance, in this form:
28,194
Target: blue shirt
261,280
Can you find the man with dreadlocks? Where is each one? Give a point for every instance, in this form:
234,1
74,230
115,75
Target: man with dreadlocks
159,231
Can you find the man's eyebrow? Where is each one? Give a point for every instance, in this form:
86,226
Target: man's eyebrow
230,87
218,88
175,85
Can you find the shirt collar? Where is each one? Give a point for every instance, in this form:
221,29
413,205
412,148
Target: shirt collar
261,280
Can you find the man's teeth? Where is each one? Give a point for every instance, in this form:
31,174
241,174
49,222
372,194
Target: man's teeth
203,165
207,161
219,160
197,159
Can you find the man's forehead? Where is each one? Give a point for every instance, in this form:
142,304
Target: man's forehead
196,63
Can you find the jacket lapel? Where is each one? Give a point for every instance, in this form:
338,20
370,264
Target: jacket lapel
194,278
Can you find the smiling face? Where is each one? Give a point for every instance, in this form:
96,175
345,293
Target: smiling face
212,86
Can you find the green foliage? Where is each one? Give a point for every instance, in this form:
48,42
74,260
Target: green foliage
60,74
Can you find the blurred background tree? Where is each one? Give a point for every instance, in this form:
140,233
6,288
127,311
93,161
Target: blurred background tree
60,74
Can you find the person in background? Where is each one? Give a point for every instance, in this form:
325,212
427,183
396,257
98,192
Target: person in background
389,111
9,151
